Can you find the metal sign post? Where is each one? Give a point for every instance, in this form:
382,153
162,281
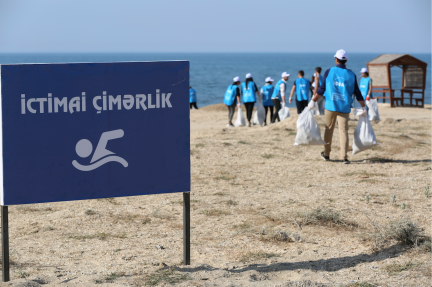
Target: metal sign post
5,243
186,228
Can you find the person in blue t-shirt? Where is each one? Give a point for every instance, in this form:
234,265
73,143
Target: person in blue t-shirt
232,99
301,87
338,86
317,81
365,84
278,97
266,93
249,93
192,99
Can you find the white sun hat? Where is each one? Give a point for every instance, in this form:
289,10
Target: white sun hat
248,75
285,74
341,55
364,70
236,79
269,79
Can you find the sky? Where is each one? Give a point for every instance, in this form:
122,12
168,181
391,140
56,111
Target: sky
120,26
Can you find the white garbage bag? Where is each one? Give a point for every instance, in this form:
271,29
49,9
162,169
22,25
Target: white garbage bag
284,113
308,131
373,110
255,118
241,121
364,136
259,115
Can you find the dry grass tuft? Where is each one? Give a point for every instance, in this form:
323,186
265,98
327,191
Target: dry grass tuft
129,217
268,156
394,269
30,208
406,232
110,278
325,217
214,212
162,275
280,236
231,202
403,231
99,235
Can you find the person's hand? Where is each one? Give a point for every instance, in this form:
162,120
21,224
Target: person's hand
238,105
364,112
290,100
283,105
311,104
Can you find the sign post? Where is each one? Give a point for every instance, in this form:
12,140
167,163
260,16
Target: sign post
5,243
93,130
186,228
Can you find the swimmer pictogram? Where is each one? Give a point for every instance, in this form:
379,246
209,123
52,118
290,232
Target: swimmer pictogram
101,156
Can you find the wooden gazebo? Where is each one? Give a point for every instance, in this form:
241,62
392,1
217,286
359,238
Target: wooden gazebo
413,79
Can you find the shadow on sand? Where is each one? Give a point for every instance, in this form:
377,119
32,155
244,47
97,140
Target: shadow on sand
332,264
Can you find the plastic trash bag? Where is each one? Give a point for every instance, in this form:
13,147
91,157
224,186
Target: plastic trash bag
284,113
308,131
364,135
259,115
373,110
241,121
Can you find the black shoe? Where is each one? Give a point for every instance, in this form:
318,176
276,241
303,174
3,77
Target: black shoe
326,158
346,161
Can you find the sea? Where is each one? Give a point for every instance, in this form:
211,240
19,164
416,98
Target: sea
212,73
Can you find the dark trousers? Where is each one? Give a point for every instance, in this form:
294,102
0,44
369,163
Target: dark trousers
301,105
231,110
271,113
277,105
193,105
249,110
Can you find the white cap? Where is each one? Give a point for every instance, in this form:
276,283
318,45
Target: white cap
363,70
285,74
236,79
269,79
248,75
341,55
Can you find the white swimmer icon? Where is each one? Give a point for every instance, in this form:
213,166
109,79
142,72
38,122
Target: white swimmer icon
84,148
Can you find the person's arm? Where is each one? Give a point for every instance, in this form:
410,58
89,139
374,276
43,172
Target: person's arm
358,94
321,89
282,92
257,92
370,88
292,92
316,84
238,96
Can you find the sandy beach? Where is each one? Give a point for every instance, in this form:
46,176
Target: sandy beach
254,201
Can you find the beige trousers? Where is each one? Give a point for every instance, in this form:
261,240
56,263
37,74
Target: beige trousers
330,120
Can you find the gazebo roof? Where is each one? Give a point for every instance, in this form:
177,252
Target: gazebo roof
396,59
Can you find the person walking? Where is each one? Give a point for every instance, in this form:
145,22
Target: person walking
317,81
266,93
338,86
365,84
232,99
301,87
249,89
192,98
278,97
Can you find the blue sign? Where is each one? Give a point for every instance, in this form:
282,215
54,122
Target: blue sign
94,130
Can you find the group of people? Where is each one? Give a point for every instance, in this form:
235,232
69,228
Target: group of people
333,95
